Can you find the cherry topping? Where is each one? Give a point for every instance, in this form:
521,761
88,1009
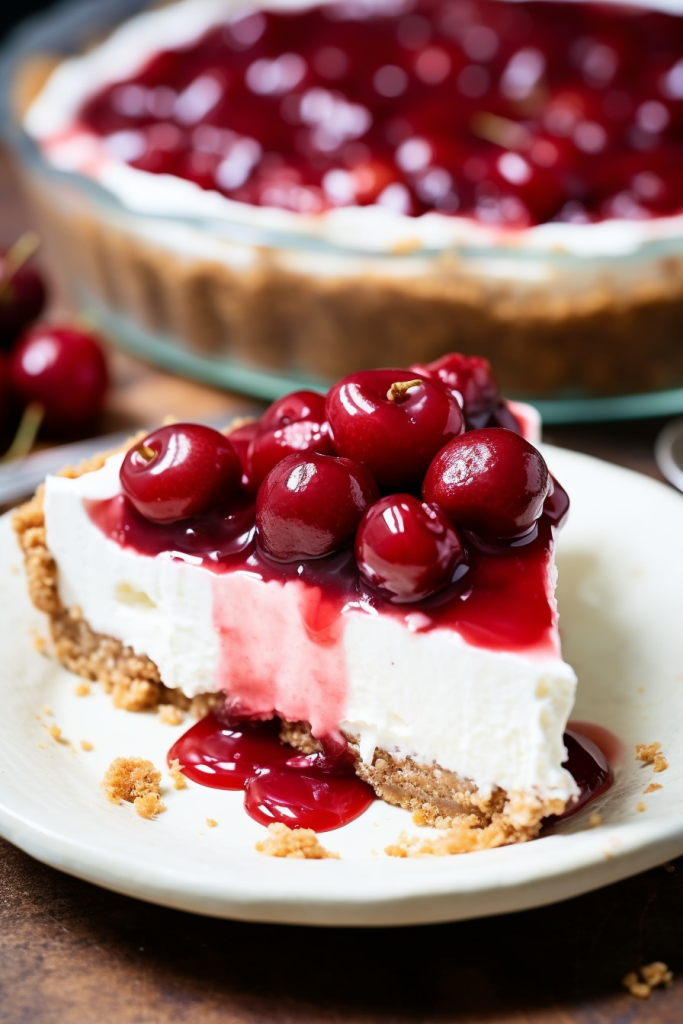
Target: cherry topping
392,422
309,505
240,439
179,471
407,548
470,380
22,292
299,405
271,446
490,481
63,369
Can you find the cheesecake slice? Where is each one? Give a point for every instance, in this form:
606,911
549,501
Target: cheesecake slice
366,613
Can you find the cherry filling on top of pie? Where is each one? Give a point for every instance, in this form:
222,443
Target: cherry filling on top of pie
514,114
373,567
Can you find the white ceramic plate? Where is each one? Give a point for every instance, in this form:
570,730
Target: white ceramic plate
621,595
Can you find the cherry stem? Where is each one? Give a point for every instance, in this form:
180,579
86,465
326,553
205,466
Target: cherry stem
26,434
500,130
146,452
399,388
22,251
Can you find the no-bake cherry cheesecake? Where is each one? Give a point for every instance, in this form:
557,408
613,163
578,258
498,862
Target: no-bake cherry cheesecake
366,576
505,177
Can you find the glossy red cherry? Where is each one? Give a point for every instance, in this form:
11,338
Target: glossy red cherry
179,471
64,369
470,380
22,295
299,405
395,431
271,446
240,438
407,548
309,505
490,481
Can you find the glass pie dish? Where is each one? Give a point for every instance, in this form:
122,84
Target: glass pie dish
263,306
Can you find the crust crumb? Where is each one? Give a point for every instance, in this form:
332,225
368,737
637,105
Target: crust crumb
39,643
169,714
86,745
299,844
654,975
138,782
175,770
647,752
636,987
657,973
211,822
148,806
82,690
650,753
595,820
642,806
464,836
47,710
653,787
56,733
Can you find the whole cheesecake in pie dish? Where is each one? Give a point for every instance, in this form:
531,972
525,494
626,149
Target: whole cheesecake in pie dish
314,189
369,573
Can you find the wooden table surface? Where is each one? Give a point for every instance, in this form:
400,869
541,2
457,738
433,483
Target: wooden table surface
71,953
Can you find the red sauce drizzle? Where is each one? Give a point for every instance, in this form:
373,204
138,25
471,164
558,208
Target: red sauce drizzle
318,791
511,113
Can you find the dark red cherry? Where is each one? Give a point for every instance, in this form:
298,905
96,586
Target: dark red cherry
470,380
271,446
556,506
299,405
180,470
22,294
406,548
490,481
309,505
393,428
64,369
240,438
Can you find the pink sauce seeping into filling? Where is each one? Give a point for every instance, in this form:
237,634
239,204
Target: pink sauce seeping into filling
500,603
512,113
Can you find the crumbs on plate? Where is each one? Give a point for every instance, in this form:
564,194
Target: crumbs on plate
138,782
169,714
175,770
299,844
650,753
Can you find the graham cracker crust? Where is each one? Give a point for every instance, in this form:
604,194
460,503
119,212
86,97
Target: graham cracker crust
433,795
440,798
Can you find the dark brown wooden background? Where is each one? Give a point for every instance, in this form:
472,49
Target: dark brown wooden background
71,953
